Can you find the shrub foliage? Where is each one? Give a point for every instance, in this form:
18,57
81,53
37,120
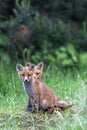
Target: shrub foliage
53,31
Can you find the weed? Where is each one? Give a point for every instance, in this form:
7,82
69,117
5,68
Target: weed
67,85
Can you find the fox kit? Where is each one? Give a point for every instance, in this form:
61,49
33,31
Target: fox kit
37,73
24,75
39,92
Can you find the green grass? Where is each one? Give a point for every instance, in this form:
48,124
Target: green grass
68,85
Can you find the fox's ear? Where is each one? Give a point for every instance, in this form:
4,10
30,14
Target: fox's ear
28,64
40,66
31,67
19,67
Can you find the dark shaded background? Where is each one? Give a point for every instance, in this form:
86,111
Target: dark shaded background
49,31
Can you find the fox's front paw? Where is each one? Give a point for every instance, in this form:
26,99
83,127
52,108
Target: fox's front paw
29,108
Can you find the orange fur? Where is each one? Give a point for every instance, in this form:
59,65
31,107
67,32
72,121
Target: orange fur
39,91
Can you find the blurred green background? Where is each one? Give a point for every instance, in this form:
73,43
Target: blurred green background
53,31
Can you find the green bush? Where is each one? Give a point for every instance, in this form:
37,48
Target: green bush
33,34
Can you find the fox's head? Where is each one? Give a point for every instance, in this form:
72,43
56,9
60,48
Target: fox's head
37,69
25,73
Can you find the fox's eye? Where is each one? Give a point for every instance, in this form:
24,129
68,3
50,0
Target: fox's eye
28,75
23,75
37,73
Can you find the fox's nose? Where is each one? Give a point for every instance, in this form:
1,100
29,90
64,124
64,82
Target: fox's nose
26,79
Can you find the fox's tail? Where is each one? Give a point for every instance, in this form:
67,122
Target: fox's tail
59,106
62,104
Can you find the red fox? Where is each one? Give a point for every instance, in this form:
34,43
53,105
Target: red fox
37,73
38,91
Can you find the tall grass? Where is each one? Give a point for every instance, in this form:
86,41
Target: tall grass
68,85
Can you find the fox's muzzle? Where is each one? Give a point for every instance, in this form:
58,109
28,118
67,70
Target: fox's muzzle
25,79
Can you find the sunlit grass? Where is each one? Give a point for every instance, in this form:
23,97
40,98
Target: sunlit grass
68,85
